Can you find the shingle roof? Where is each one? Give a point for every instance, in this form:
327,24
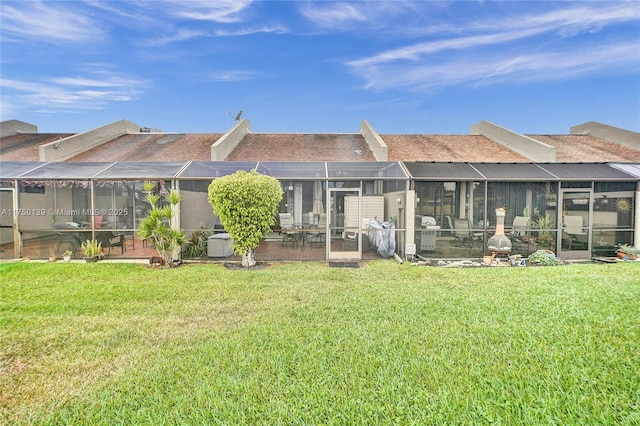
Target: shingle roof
465,148
24,146
153,147
301,147
586,148
319,147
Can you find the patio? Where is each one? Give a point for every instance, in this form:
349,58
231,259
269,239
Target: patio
271,249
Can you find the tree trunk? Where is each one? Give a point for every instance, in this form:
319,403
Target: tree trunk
166,258
247,259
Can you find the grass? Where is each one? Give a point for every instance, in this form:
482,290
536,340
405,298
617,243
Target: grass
301,343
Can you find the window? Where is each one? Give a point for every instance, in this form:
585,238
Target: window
32,189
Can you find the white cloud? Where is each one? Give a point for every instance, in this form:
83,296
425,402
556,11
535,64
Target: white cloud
334,14
88,82
417,51
484,68
561,64
220,11
183,35
363,15
511,48
48,22
231,75
272,29
583,17
351,15
70,93
564,21
177,36
89,21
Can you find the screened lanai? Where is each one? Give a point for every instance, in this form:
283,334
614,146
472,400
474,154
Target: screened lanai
48,208
53,207
325,203
447,210
577,210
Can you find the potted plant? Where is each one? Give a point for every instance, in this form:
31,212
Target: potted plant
92,249
627,252
544,224
67,255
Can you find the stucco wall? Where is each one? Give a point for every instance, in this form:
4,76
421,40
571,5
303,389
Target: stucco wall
376,144
66,148
12,127
197,212
223,146
610,133
532,149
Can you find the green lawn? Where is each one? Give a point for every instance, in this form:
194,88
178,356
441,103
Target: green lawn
301,343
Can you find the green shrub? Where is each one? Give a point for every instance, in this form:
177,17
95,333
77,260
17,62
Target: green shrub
247,204
197,244
544,257
91,248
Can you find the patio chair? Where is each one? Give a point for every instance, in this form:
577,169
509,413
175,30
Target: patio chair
289,232
478,236
111,239
519,228
319,235
572,229
71,240
463,234
448,223
462,231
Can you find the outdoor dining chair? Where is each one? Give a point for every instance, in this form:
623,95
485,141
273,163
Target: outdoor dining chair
110,239
319,234
290,234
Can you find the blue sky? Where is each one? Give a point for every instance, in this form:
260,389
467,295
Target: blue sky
406,67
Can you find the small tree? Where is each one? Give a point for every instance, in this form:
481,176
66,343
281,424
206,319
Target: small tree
247,204
156,226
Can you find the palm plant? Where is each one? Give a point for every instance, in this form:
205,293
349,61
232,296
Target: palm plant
91,248
157,225
197,244
545,224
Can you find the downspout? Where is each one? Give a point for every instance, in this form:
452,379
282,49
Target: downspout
411,203
92,219
175,184
410,222
175,220
17,235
